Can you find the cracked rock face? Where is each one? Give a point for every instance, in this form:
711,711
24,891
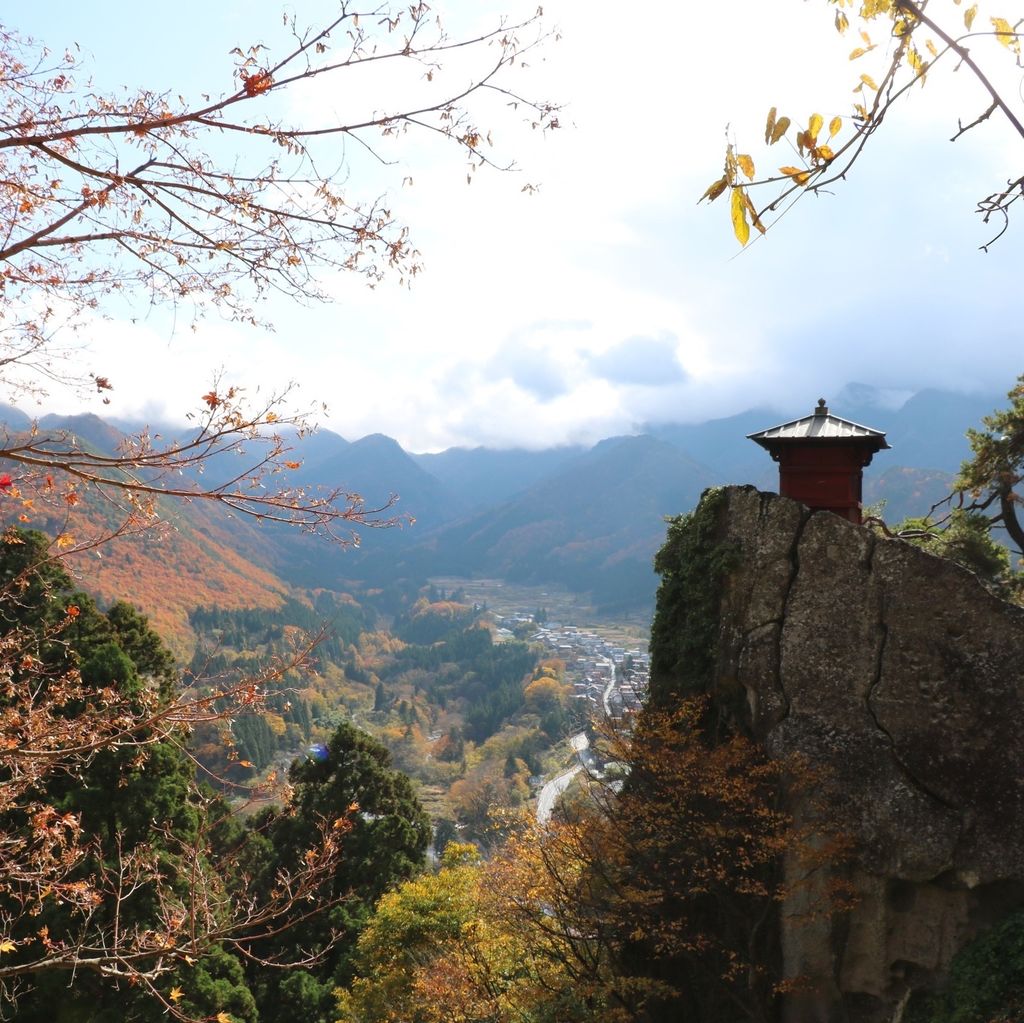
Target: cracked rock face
903,678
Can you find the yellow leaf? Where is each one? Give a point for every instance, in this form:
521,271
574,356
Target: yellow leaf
932,49
781,127
7,946
64,541
754,218
858,52
834,127
799,176
223,1017
842,22
1005,33
824,153
746,165
869,82
740,226
814,125
176,994
969,16
769,125
715,189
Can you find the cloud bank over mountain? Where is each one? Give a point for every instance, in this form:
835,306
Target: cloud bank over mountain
607,297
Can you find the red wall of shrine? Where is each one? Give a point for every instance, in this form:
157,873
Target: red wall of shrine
827,477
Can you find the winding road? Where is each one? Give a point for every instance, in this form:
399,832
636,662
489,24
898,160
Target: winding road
581,746
554,788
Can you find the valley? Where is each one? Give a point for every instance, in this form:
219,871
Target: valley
470,676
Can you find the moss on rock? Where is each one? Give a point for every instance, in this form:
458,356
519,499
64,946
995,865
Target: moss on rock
693,564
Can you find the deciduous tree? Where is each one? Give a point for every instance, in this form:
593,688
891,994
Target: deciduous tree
658,901
106,863
441,948
136,198
427,922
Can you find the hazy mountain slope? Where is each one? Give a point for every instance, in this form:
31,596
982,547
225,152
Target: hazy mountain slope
906,491
722,444
90,430
317,448
13,419
480,477
197,555
376,467
928,432
593,526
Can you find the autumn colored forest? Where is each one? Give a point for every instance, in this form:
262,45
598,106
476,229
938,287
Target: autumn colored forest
258,763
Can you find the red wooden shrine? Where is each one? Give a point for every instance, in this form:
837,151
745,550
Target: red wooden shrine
821,460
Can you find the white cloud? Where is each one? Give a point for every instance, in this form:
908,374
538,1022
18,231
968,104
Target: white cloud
640,360
526,300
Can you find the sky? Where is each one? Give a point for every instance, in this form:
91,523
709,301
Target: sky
608,298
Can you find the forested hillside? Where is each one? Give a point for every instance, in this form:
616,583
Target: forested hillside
459,712
416,674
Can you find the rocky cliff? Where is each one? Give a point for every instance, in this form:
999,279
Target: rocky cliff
902,677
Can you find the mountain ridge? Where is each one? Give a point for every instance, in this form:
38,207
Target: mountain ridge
589,518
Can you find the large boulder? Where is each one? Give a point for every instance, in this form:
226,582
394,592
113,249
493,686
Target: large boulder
900,677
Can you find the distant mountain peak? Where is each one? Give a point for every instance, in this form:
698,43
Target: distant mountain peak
858,395
378,440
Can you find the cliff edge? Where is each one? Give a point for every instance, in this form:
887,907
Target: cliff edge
902,678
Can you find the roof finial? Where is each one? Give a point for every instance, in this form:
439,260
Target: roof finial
822,409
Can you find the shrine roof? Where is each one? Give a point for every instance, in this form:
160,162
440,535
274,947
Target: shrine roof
821,425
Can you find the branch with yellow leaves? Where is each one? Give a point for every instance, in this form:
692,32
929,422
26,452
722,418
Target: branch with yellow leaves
823,163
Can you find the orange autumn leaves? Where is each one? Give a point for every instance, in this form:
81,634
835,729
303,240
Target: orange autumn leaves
631,897
256,83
